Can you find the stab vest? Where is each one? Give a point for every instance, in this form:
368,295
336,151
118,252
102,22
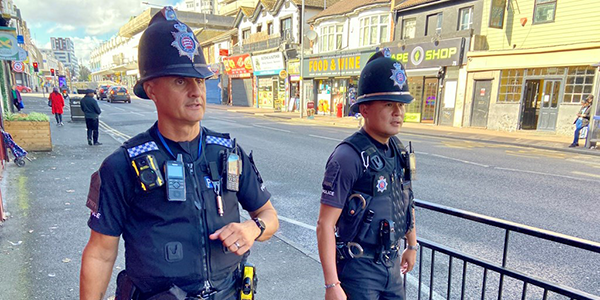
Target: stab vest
386,188
167,242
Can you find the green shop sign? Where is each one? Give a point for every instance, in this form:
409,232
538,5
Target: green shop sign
424,55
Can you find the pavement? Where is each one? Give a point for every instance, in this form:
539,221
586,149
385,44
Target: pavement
285,269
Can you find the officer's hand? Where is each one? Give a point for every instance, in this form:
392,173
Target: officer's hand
408,260
335,293
237,237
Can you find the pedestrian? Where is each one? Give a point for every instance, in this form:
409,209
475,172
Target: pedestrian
57,102
17,100
173,191
583,119
367,200
91,111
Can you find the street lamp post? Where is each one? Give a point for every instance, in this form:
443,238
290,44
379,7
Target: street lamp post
302,100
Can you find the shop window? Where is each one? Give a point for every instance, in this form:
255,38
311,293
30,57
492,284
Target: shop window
544,11
331,38
511,86
466,18
580,81
409,28
374,30
413,111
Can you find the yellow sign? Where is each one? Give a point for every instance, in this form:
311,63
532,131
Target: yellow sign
334,64
412,117
283,74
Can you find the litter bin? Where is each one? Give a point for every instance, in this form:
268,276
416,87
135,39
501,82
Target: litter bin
76,112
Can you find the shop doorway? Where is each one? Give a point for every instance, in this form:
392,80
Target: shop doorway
549,108
531,102
481,103
430,100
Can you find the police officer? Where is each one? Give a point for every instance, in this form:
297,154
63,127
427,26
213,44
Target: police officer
367,201
173,191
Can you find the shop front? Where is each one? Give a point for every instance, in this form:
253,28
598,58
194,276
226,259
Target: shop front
270,86
293,86
241,86
334,80
433,70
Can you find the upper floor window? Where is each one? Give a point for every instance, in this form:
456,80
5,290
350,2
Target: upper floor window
245,34
259,28
286,27
466,18
544,11
374,30
270,29
409,28
331,38
497,13
434,24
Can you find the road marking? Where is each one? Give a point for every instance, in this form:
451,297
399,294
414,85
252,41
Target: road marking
271,128
586,174
117,108
547,174
325,138
461,160
304,225
117,135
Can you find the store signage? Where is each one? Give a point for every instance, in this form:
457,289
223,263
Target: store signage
22,54
223,52
336,65
423,55
293,67
20,39
8,44
238,66
268,64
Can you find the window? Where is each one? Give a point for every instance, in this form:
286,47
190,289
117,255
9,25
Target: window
409,28
580,81
270,29
331,38
434,24
245,34
544,11
466,18
286,28
259,28
511,82
497,13
374,30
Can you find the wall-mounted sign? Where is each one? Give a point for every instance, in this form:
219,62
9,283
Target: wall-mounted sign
293,67
22,54
8,44
423,55
336,65
268,64
223,52
238,66
18,66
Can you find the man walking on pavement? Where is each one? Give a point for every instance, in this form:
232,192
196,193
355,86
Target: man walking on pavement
173,192
367,200
91,111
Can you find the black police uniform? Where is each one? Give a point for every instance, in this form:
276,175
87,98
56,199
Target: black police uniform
370,182
166,242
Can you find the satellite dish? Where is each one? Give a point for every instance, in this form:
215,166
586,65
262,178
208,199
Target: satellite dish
311,35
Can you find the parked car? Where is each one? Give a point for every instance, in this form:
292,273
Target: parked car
101,92
118,93
23,89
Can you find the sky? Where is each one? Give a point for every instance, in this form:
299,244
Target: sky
87,22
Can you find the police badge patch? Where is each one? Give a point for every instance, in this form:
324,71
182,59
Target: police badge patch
185,41
381,184
398,75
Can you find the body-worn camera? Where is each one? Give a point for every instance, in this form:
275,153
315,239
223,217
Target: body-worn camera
148,172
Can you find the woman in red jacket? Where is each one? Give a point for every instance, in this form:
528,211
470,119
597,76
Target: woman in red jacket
58,102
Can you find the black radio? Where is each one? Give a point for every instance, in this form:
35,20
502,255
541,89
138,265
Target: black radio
147,171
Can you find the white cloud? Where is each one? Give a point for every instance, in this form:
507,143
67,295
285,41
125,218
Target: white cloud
83,48
61,28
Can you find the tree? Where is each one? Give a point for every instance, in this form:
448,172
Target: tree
84,74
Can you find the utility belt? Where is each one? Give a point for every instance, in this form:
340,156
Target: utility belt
245,289
378,254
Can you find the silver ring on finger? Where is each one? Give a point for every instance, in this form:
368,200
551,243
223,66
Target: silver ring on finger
237,245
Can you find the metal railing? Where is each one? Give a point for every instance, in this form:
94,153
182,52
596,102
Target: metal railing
501,269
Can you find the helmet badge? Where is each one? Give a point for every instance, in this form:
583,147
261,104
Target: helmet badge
398,75
169,13
185,41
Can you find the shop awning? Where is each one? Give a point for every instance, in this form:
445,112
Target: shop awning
430,72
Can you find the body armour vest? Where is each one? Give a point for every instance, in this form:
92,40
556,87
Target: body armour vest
168,240
383,191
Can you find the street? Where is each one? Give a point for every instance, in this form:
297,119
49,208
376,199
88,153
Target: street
41,244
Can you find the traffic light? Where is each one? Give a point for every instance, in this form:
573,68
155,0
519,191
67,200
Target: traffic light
35,67
52,72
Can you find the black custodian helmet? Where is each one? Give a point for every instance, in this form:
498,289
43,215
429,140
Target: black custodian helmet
168,47
383,78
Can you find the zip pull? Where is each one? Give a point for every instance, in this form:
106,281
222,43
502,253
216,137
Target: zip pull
217,189
207,287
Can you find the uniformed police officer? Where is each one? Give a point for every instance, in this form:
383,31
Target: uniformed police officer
367,201
173,191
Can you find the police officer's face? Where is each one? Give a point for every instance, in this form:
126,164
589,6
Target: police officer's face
178,98
383,118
